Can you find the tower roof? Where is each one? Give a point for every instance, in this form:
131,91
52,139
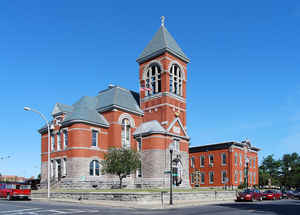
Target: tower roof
160,43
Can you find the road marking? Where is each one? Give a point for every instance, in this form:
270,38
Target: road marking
20,210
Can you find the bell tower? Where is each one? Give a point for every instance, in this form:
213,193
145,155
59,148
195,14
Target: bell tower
163,76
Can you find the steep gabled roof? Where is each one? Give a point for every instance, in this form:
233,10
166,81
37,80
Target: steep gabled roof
60,108
160,43
85,111
117,97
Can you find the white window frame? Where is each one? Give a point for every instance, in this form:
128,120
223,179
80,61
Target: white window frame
236,176
241,177
52,139
94,168
64,165
241,159
222,176
66,138
202,157
223,161
254,178
176,80
58,145
211,163
176,145
94,131
139,144
153,81
125,123
211,177
202,176
192,162
235,158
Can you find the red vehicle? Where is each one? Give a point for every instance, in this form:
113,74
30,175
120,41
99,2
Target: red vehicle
249,195
15,190
272,195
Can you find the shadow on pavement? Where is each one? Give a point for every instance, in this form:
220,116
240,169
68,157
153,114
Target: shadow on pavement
288,208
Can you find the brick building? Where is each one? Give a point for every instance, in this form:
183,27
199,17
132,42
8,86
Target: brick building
223,164
148,121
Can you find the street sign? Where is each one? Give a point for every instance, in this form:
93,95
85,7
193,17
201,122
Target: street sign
167,171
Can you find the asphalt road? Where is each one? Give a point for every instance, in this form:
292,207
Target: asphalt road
288,207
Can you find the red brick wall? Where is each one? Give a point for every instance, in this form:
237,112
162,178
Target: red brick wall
230,167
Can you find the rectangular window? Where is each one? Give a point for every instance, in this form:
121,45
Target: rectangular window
241,159
241,176
66,139
211,177
211,160
94,138
254,178
192,162
64,164
176,145
139,144
236,176
202,160
224,177
202,175
51,169
223,155
254,163
236,159
58,142
250,178
52,142
250,163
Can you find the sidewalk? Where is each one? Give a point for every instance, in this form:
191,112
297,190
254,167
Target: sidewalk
140,205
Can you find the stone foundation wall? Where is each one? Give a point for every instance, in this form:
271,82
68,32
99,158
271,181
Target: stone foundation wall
142,197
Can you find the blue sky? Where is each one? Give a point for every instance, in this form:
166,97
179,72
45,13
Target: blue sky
243,78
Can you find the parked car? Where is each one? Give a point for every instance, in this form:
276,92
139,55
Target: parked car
297,194
272,195
15,190
278,194
249,195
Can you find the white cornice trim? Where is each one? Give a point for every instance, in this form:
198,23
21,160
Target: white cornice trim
177,119
164,104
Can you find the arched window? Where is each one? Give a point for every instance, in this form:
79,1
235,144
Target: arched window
125,134
176,77
153,79
95,168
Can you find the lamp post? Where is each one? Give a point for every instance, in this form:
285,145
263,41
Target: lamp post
48,178
247,168
171,174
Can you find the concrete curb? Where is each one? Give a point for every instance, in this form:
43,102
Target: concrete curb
139,205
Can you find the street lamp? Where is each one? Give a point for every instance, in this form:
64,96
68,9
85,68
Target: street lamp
48,180
171,148
247,169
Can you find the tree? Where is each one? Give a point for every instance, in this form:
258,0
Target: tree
270,169
121,162
284,172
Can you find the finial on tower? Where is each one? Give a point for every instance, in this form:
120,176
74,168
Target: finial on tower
162,20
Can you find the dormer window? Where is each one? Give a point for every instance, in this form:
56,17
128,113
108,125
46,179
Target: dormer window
176,77
153,79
